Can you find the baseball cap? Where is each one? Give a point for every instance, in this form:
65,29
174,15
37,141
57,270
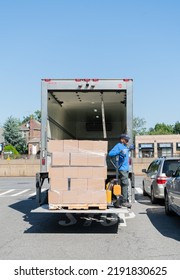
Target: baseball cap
124,136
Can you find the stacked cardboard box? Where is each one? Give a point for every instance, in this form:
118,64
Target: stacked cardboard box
77,174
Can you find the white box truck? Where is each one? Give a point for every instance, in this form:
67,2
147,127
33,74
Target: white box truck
84,109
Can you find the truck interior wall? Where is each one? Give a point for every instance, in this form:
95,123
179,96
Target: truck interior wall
61,126
59,120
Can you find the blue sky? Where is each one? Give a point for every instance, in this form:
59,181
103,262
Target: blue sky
137,39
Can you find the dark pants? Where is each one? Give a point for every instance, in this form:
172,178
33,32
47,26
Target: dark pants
124,182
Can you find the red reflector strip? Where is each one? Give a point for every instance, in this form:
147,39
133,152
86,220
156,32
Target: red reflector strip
126,80
86,80
161,180
43,161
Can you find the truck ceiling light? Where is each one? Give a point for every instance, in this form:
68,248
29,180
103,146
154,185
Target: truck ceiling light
95,110
97,117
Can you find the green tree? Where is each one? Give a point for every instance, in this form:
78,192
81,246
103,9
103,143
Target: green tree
139,126
161,129
36,116
13,153
13,136
176,129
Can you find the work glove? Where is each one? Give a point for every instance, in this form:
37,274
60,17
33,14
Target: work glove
131,147
122,155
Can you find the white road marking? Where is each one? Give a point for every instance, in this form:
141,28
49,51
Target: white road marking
32,194
139,190
7,192
21,192
18,192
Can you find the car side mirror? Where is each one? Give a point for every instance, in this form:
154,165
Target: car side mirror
144,170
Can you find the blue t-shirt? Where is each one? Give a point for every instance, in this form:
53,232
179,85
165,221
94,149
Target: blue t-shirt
123,152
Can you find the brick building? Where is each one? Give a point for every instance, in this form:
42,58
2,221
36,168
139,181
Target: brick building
31,131
157,145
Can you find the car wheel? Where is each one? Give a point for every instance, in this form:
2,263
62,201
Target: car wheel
167,208
153,199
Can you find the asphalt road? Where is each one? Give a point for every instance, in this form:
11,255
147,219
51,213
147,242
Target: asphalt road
147,233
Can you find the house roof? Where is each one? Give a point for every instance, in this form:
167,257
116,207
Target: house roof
31,123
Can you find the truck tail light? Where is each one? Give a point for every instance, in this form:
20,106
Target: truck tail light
43,161
161,180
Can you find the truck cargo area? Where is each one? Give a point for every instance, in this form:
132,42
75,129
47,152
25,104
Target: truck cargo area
81,120
87,114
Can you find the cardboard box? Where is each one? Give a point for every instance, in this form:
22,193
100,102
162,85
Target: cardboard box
55,197
78,159
89,197
87,159
100,146
92,145
56,172
96,184
55,146
71,172
94,159
71,145
84,172
58,184
85,146
99,172
60,159
78,184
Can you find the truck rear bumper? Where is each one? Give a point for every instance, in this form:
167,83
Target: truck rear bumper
45,209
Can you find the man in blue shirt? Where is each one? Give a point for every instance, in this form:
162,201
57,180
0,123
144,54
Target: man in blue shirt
122,150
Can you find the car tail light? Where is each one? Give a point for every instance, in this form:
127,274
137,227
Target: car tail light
161,180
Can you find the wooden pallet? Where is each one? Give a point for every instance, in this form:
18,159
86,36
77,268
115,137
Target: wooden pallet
78,206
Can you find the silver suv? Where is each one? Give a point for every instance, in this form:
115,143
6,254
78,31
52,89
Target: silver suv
172,193
155,178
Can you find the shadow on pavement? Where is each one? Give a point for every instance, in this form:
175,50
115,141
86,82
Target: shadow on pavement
168,226
62,223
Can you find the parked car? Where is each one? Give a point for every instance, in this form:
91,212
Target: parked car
172,193
155,178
